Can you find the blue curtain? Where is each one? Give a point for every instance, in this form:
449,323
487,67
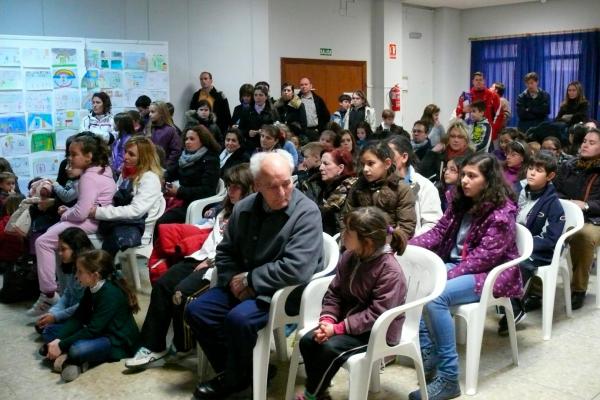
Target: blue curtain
558,59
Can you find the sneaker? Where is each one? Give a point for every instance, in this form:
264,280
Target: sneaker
71,371
503,324
59,363
429,363
143,357
42,305
532,303
439,389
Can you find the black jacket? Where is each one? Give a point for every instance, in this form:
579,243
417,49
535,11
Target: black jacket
238,157
220,107
532,111
251,120
579,111
322,111
572,181
198,180
292,112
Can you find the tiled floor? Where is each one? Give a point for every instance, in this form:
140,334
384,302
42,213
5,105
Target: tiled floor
566,367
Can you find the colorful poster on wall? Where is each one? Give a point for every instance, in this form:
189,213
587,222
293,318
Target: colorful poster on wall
45,164
110,79
66,99
90,79
10,57
13,123
42,141
92,58
67,119
86,99
135,79
11,102
10,79
64,57
36,58
116,60
38,79
135,60
39,122
65,77
12,144
20,165
39,101
157,62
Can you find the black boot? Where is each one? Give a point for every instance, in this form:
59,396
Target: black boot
577,299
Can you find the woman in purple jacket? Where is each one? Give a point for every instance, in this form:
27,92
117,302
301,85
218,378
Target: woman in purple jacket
476,233
368,282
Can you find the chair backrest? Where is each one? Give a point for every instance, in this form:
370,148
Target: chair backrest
425,275
573,223
331,255
196,208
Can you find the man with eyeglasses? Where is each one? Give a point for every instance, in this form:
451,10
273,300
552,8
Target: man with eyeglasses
420,141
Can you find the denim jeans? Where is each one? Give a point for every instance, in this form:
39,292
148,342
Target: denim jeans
93,351
440,336
50,332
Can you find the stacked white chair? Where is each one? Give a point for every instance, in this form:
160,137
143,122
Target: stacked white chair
196,208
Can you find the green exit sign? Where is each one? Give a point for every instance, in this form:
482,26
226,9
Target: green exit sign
326,52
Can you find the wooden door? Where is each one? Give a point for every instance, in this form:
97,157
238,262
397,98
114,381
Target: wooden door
330,78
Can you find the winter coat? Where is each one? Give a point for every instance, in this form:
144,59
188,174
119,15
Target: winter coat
433,163
421,151
252,121
220,106
574,177
323,115
480,134
382,133
198,180
166,136
351,120
389,194
330,197
103,127
532,111
363,290
96,188
545,221
490,241
238,157
291,112
118,152
579,112
429,207
192,119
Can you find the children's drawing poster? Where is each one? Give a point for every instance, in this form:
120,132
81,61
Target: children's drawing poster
117,97
135,79
65,77
65,99
42,141
67,119
92,58
116,60
11,102
10,57
39,122
110,79
12,123
64,57
38,79
135,60
157,62
36,58
45,163
13,144
10,79
157,80
39,101
86,99
90,79
20,165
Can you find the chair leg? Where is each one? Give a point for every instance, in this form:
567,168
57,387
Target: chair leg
293,372
566,277
474,338
414,352
375,385
260,364
597,293
281,344
549,293
512,331
132,261
359,381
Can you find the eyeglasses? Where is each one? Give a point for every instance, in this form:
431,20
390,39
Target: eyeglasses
417,130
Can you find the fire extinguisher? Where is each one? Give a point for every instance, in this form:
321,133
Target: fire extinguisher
395,93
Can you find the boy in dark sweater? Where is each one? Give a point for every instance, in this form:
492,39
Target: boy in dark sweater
480,126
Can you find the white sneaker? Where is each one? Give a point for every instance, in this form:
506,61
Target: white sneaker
144,357
42,305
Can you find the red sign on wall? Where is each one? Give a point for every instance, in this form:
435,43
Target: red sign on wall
392,51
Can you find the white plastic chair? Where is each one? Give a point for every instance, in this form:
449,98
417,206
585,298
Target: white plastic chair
278,319
549,273
196,208
425,273
597,280
474,313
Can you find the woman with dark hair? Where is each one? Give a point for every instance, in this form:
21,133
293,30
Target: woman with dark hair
260,113
330,186
431,115
577,181
515,166
476,233
186,278
576,135
575,107
290,108
100,121
553,145
125,130
233,153
246,93
197,173
428,206
360,110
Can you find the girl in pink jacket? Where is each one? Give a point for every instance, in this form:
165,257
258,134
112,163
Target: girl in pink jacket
96,187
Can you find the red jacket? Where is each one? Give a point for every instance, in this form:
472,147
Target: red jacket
493,108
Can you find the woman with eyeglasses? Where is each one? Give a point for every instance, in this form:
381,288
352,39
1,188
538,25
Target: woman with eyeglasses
454,144
552,144
360,110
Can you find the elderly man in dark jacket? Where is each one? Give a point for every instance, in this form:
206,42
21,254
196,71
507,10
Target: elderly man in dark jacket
273,240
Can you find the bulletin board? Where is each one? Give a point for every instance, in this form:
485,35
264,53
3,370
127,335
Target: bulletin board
46,85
